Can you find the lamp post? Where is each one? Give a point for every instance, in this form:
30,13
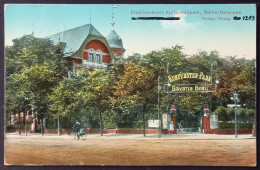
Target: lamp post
168,68
159,88
214,63
235,99
59,124
63,108
245,112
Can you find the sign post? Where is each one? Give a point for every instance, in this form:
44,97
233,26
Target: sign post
159,89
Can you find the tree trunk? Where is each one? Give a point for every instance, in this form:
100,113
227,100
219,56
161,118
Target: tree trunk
24,111
90,119
101,124
144,111
59,124
42,126
25,130
117,120
144,124
11,118
254,126
24,121
19,121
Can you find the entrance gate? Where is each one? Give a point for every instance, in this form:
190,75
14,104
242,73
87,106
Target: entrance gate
188,123
203,84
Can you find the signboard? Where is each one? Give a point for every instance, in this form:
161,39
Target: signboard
153,123
233,105
183,88
213,121
166,121
181,76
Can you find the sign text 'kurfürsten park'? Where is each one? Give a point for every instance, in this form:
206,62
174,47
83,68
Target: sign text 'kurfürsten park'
181,76
184,88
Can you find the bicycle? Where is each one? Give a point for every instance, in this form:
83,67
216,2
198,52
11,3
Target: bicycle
77,135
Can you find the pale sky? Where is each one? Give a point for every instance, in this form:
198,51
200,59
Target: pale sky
207,27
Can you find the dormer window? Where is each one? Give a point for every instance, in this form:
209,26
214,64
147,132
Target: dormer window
94,56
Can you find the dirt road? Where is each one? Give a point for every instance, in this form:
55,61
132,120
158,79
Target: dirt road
61,150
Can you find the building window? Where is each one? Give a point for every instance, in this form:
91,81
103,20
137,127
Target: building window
98,58
91,57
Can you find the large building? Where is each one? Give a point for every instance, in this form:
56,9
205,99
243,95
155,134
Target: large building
85,46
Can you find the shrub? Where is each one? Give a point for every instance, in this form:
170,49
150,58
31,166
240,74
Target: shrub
231,113
241,113
250,115
140,124
109,124
10,128
229,125
222,113
132,124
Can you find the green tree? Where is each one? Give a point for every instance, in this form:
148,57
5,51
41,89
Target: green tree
237,75
209,64
96,92
159,61
23,58
135,90
15,102
135,58
28,51
36,84
222,113
65,101
189,103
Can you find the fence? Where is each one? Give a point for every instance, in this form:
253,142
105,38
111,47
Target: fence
106,131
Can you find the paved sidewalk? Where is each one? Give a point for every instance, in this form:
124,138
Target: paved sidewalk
180,136
196,136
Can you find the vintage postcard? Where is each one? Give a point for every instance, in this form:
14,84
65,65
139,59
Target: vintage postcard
130,84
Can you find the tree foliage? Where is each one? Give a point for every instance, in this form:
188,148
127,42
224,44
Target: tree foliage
135,89
65,97
33,68
222,113
128,90
28,51
36,84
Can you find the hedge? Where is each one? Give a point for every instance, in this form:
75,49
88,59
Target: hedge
227,125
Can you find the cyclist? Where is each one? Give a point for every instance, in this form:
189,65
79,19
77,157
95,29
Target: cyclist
76,127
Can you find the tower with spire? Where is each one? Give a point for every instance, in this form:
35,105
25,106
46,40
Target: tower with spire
114,40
